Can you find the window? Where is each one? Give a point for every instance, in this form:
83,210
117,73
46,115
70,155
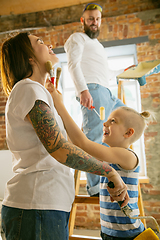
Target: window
66,86
119,57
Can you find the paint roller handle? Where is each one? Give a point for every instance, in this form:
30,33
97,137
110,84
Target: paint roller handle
111,185
126,209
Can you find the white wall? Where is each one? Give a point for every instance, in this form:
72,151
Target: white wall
5,169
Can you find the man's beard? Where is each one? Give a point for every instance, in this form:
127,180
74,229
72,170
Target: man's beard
92,34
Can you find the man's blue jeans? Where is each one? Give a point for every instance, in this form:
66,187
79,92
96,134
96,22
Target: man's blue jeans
20,224
93,126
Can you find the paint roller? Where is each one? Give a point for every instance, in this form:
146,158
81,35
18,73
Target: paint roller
127,211
148,234
50,70
101,115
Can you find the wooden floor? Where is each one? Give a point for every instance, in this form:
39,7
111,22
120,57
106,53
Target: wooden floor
87,232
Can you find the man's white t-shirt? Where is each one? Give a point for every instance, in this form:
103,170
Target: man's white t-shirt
87,62
39,181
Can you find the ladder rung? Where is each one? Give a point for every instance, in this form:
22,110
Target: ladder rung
86,199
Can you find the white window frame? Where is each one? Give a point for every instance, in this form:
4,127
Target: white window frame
116,52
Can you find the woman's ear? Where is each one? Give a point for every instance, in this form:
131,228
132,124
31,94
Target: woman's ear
31,61
129,133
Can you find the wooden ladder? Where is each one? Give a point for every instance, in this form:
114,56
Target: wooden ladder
86,199
80,199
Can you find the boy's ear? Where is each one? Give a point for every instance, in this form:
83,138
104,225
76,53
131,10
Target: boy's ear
129,133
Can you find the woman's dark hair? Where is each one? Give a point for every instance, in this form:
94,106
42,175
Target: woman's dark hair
15,64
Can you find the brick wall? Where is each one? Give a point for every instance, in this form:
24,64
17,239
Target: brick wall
133,21
60,16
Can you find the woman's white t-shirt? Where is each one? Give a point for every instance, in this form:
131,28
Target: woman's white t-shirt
39,181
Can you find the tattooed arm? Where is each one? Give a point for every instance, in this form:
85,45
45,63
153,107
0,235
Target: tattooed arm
47,129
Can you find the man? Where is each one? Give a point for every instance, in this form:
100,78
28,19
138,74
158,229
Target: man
87,63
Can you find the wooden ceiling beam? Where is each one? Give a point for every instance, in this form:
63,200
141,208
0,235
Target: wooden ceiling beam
28,6
48,18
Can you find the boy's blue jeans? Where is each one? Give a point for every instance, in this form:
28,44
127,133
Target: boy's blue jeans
20,224
93,126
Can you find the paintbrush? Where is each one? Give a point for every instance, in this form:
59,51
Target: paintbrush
50,70
58,73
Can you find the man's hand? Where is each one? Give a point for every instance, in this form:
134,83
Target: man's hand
86,99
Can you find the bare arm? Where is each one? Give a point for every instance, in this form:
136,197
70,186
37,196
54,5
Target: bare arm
66,153
121,156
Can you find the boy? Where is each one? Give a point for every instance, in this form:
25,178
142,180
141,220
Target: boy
123,127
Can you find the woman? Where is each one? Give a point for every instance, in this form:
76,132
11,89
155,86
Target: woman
39,197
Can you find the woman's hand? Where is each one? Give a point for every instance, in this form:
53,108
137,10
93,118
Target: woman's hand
119,192
56,95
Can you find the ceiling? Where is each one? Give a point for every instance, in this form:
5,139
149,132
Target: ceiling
9,7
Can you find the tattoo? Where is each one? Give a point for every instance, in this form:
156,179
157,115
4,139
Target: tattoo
46,126
87,163
51,137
